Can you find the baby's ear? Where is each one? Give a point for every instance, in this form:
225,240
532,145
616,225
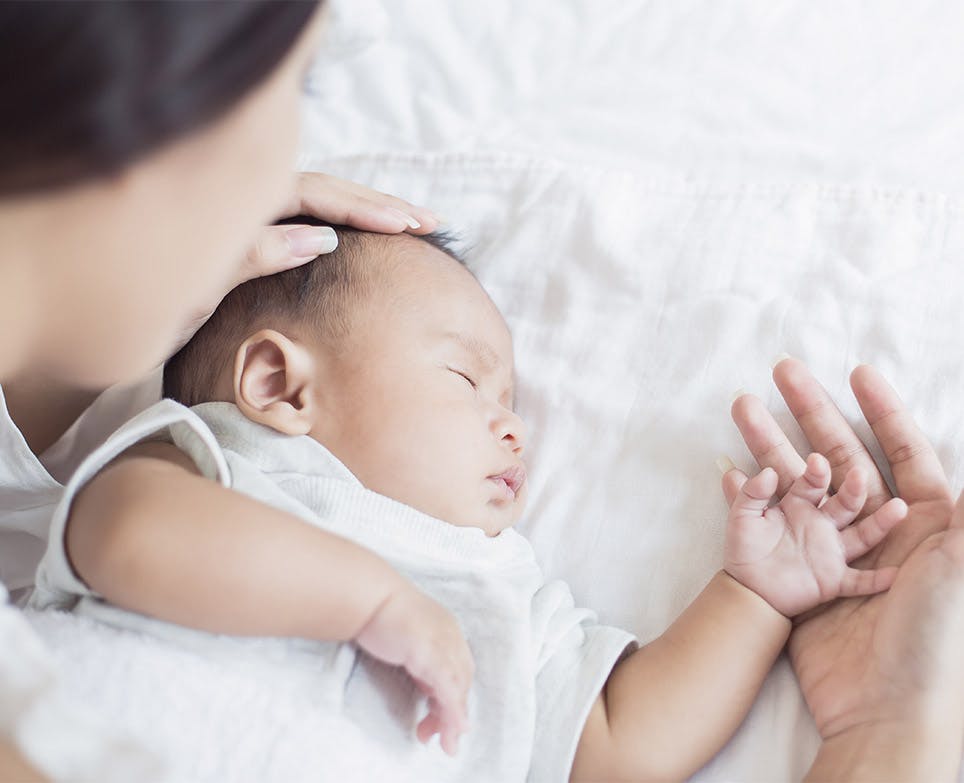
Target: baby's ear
274,378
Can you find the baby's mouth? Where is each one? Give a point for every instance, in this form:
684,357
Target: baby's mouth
511,481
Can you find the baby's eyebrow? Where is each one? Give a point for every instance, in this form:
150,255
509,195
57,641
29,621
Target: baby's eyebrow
480,349
486,355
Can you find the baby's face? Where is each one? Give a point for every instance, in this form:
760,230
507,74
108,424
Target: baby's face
418,403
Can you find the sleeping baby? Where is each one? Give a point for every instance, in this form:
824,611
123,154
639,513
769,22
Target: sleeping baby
371,393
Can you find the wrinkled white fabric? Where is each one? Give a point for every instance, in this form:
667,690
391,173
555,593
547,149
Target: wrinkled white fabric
56,731
637,309
60,735
540,662
742,91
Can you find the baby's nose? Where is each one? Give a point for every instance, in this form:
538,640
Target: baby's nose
512,432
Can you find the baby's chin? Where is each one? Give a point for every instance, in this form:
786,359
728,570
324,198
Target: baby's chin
491,516
500,518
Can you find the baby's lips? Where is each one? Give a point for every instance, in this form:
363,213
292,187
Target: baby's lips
514,478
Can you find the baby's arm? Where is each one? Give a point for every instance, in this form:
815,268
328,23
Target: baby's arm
669,707
152,535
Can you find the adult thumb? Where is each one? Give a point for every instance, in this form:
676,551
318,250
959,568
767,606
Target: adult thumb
283,247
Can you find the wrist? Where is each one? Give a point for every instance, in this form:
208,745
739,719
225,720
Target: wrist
753,600
909,748
385,591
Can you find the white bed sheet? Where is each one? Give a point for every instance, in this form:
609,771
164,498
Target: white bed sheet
662,197
742,90
638,309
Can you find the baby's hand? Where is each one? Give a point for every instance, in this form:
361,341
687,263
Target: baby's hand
413,631
795,554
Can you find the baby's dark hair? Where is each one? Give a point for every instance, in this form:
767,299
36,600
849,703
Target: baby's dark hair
321,293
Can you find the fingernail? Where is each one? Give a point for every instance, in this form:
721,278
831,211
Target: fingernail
311,241
725,464
779,358
736,395
409,220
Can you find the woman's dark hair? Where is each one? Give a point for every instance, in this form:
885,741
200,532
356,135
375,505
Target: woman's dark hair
86,88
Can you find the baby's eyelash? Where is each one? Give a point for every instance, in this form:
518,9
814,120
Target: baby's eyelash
472,383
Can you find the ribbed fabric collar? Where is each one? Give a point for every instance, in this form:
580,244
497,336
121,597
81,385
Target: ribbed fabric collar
269,450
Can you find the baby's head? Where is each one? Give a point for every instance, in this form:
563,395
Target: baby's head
390,354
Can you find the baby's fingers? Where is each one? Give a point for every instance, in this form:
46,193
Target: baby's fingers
843,507
813,484
428,727
866,534
754,496
856,582
733,479
448,724
449,737
448,700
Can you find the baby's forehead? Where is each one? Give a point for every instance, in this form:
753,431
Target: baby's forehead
425,276
426,267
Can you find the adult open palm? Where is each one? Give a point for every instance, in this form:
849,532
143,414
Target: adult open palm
876,659
846,654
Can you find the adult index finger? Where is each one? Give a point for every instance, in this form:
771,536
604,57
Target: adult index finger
349,203
828,432
766,441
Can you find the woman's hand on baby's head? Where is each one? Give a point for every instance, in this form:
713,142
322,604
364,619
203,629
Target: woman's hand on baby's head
336,201
795,554
413,631
332,200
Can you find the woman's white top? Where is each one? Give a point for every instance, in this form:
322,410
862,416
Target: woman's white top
63,739
31,486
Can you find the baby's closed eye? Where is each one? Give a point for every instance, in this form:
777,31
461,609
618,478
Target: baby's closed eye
466,376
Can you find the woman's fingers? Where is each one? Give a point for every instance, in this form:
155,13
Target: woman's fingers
282,247
916,468
865,535
348,203
336,201
766,441
827,430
